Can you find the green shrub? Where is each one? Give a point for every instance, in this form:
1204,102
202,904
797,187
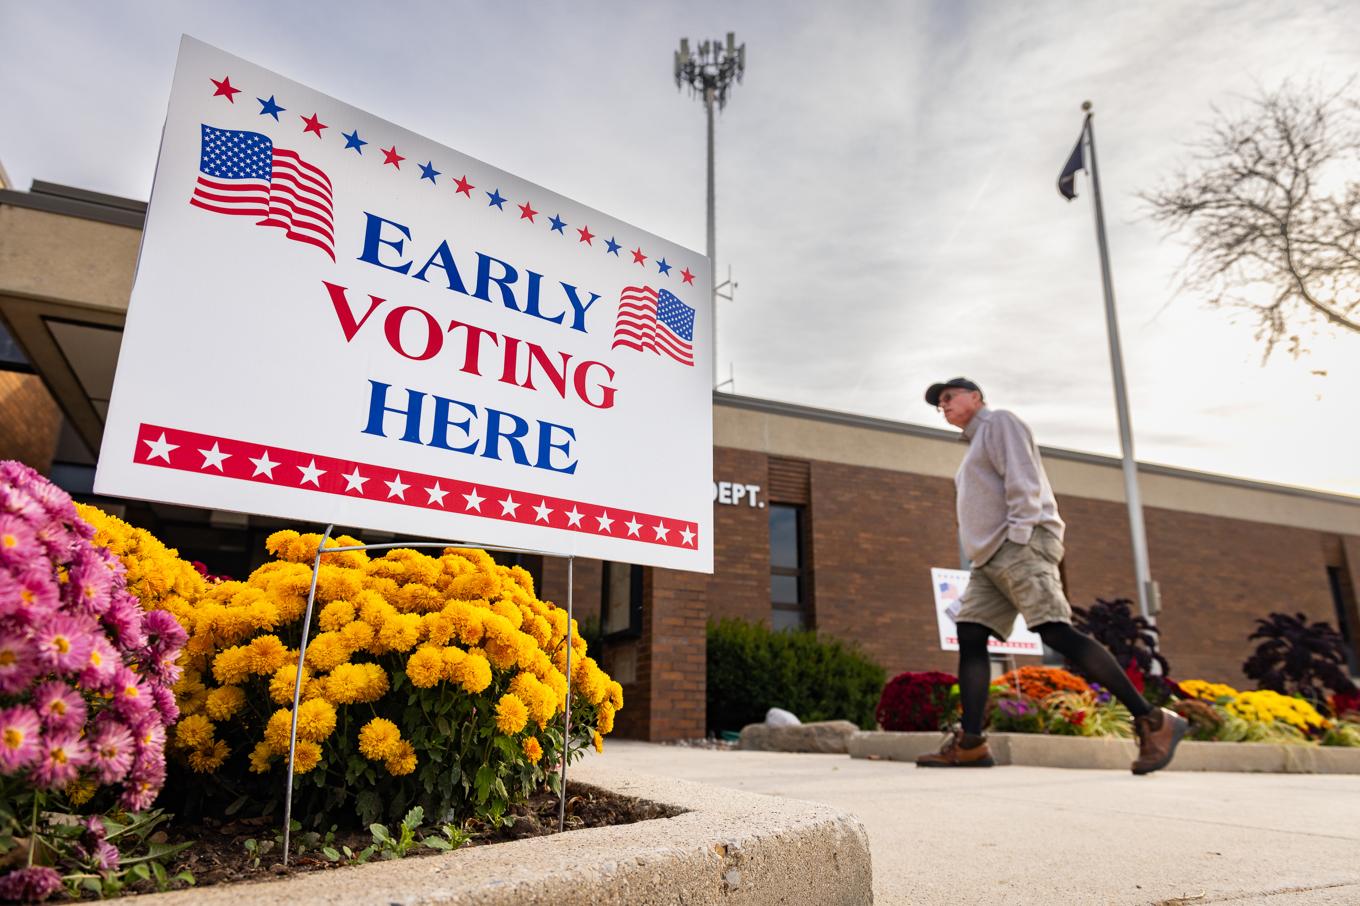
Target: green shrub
752,669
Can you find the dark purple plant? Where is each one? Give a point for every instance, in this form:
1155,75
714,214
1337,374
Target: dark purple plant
1296,657
1129,637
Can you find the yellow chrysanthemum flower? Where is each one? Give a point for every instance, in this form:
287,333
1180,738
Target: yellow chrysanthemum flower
279,730
260,757
357,636
474,673
403,762
81,790
267,654
532,750
598,741
616,695
209,758
379,739
511,714
335,616
325,651
232,666
306,756
224,701
604,722
194,731
425,667
316,720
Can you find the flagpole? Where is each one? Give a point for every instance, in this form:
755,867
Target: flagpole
1148,598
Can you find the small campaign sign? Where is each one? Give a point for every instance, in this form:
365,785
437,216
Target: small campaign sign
949,587
337,320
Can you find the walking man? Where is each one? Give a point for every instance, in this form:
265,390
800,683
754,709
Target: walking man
1011,531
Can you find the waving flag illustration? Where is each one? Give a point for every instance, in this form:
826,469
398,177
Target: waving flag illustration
655,321
243,173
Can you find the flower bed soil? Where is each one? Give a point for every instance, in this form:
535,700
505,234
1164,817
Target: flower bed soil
219,856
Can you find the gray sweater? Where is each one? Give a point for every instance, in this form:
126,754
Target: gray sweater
1003,492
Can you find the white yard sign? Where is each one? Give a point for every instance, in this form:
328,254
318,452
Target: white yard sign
949,586
338,320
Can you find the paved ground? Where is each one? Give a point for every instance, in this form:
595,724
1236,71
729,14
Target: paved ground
1021,835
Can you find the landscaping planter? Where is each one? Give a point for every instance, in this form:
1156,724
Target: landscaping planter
727,847
1037,750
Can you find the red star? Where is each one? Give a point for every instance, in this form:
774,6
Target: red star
586,236
464,186
390,156
224,88
313,124
526,212
686,276
638,257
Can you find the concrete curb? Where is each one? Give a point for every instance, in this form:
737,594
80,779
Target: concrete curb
729,847
1037,750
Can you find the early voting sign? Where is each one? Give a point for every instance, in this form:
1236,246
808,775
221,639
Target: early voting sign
949,586
338,320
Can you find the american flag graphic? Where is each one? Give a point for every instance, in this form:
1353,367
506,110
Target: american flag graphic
243,173
655,321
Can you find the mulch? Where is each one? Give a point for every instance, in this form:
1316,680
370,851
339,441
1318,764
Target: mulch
219,854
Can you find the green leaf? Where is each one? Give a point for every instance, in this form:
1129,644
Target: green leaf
236,806
186,877
443,726
332,854
414,817
380,833
437,843
140,872
368,805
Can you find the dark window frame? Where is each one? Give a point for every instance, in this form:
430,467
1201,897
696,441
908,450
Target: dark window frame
634,628
800,573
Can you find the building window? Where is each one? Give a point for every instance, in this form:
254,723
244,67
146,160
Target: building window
621,609
788,580
12,358
1345,606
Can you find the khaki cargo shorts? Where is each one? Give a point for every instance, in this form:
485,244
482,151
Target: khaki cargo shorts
1019,578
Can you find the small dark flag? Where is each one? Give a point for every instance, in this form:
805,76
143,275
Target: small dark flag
1067,180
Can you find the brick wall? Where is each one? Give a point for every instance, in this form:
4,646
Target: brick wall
31,419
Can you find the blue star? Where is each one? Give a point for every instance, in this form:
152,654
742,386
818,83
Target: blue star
663,266
612,247
557,224
270,108
496,199
352,140
427,171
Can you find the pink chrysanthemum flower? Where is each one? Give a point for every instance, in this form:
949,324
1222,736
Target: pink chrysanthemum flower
112,749
149,734
61,708
124,619
63,643
29,885
165,703
143,785
59,762
91,585
164,634
18,543
20,736
17,664
101,668
32,598
131,696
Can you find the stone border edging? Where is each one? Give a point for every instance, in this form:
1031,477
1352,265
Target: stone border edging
729,847
1038,750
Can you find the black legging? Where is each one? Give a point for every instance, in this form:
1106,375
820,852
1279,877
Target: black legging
1085,653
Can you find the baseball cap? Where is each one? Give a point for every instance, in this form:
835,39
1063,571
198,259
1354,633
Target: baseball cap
960,383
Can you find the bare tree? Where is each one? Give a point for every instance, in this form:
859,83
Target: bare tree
1271,205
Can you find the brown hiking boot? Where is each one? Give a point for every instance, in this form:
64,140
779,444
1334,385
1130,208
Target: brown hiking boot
1158,735
960,750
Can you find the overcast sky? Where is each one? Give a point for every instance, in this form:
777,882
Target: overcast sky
886,172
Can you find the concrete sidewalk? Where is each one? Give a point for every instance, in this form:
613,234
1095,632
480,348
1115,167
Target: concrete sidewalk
1022,835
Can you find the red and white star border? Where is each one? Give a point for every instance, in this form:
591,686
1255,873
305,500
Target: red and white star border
205,454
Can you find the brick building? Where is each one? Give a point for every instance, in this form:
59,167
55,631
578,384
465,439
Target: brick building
822,519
